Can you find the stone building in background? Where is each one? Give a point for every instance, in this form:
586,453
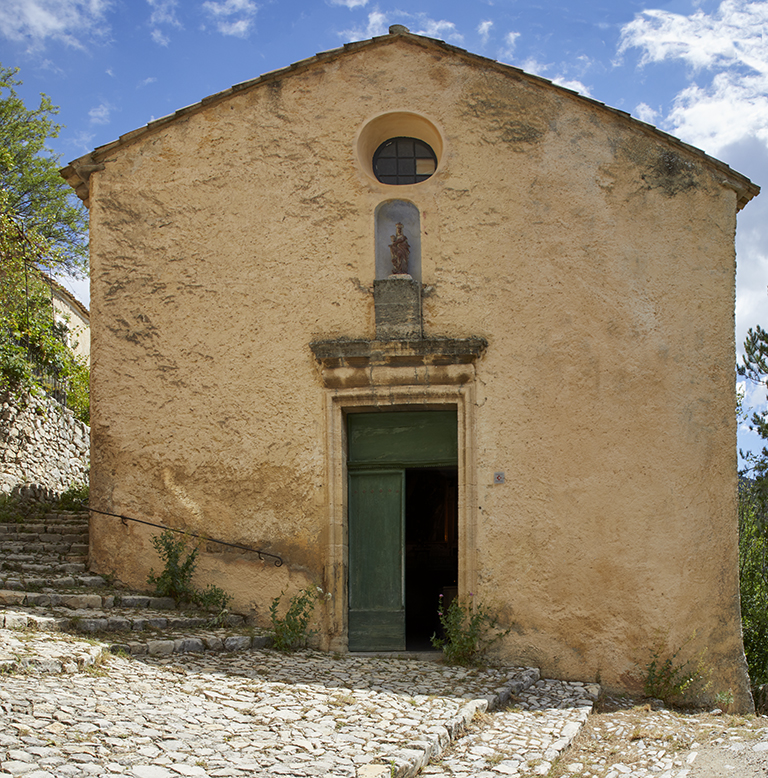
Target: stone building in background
539,412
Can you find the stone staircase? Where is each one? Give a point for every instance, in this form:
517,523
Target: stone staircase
45,588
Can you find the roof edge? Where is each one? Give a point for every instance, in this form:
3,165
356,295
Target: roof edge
77,173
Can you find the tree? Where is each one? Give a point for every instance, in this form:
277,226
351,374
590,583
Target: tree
32,189
753,521
753,580
39,228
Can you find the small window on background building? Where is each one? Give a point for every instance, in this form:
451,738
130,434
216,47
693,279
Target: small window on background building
404,161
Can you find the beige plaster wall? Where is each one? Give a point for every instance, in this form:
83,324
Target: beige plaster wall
78,327
596,260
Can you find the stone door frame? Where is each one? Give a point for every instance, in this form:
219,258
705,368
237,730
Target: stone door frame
339,403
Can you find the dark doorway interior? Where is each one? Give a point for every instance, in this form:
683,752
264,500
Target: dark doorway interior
431,549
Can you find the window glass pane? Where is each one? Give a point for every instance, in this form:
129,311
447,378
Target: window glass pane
387,167
404,161
425,167
405,147
388,149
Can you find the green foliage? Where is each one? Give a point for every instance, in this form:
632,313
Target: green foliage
30,182
180,563
292,631
753,521
753,579
176,578
14,509
41,227
469,629
75,498
673,680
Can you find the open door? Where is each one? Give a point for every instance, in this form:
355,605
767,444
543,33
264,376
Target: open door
392,595
376,568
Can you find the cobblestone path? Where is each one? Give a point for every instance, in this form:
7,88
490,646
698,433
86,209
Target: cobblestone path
255,713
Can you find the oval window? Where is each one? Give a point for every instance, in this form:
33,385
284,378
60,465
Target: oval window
404,161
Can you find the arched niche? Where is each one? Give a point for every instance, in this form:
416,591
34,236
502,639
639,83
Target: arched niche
387,215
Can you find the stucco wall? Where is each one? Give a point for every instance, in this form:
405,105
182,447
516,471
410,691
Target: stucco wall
596,260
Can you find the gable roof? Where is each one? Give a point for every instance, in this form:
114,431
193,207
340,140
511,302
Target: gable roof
78,172
67,296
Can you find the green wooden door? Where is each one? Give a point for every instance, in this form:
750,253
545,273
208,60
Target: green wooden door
376,575
380,447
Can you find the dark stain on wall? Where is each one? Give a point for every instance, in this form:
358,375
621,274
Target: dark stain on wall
672,174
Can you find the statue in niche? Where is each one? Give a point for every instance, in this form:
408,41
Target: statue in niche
400,251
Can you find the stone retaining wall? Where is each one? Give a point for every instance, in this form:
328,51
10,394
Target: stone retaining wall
42,445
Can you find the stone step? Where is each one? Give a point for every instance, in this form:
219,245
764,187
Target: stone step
15,582
75,552
44,568
79,600
38,653
45,589
37,527
37,546
43,537
93,621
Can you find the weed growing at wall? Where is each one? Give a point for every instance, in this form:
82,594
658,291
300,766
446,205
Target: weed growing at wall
292,631
469,630
175,580
673,680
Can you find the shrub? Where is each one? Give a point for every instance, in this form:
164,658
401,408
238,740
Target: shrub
469,630
176,578
75,498
674,680
291,630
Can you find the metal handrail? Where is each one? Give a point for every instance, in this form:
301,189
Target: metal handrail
261,554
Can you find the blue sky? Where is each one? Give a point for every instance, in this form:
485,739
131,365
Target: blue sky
698,70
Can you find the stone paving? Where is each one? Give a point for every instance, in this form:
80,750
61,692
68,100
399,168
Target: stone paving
636,741
523,739
259,712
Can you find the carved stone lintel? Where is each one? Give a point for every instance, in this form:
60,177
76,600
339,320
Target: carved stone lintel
346,364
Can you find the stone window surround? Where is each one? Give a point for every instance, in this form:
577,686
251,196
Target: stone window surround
395,124
341,402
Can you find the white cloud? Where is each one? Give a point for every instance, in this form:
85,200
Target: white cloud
232,17
571,83
83,141
147,81
484,30
728,54
101,113
645,113
350,3
434,28
163,13
419,24
377,25
510,39
159,37
67,21
542,69
735,34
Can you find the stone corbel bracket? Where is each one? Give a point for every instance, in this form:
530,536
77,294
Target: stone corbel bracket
78,174
347,364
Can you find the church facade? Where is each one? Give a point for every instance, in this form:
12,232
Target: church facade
422,324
